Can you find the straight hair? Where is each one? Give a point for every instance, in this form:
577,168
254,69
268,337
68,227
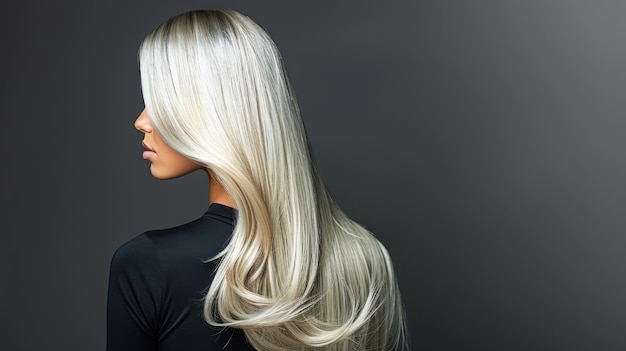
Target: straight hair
297,273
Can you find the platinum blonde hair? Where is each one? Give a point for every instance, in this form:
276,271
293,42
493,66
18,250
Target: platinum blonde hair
297,272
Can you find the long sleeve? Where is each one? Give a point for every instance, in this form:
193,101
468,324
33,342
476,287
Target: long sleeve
135,294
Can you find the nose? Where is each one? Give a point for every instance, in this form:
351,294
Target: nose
142,123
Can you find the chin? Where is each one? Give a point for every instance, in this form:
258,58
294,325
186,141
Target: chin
164,175
160,174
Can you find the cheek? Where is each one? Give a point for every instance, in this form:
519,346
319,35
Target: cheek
185,165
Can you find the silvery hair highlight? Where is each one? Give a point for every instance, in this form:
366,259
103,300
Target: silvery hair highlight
297,272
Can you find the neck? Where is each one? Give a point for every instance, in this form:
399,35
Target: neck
218,195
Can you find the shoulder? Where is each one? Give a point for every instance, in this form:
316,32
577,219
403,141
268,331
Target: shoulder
137,260
201,239
157,255
162,256
136,251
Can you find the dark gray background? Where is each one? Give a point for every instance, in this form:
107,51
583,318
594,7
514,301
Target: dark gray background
482,141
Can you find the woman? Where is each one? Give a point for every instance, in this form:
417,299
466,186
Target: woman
274,264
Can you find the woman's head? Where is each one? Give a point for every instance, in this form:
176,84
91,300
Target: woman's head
216,92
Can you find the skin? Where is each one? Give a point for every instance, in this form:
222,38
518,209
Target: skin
167,163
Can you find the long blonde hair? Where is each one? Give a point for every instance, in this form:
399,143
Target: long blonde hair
297,272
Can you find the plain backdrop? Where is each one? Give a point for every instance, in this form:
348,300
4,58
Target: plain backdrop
482,141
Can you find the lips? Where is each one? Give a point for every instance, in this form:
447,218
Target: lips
148,152
145,146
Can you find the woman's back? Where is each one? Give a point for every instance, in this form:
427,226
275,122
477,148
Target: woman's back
157,283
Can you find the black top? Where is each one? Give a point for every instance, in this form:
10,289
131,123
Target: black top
157,283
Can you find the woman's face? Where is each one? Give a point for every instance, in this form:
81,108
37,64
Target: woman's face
166,163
